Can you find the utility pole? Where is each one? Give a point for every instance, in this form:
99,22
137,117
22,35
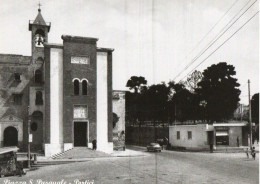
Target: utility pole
175,113
250,119
241,112
29,151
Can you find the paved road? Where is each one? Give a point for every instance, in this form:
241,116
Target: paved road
187,167
164,167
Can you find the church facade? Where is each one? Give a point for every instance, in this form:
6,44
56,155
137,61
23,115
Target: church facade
60,96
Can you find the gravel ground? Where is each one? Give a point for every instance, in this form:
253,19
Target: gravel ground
164,167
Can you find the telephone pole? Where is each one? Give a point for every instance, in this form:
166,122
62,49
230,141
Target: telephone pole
250,118
29,151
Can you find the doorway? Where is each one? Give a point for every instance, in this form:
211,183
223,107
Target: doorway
80,133
222,138
210,137
10,136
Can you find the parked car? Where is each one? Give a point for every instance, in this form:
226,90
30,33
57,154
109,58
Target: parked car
8,162
154,147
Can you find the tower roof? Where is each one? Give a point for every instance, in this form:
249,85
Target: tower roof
39,19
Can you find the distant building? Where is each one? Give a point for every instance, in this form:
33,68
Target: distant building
241,113
200,136
61,94
119,111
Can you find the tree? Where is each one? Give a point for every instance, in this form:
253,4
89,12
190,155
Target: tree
133,99
218,88
193,80
255,108
183,103
131,107
136,83
154,102
255,114
115,119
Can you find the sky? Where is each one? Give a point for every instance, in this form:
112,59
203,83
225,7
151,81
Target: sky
156,39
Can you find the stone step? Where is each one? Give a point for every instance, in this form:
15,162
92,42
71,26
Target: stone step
54,162
60,154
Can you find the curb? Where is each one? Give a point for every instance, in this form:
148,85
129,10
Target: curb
84,159
197,151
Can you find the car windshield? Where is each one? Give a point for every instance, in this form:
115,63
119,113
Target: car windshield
154,144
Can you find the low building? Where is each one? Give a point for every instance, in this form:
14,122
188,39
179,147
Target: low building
200,136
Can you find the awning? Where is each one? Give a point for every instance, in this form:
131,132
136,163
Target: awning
221,133
8,149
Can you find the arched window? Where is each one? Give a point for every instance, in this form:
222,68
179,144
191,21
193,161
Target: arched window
84,87
38,76
76,87
39,38
38,100
40,31
39,60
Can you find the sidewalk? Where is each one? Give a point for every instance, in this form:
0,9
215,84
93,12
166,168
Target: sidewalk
224,149
85,154
128,153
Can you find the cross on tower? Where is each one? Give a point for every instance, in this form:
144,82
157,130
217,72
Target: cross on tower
39,5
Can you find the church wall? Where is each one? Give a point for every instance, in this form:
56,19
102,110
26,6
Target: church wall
110,96
54,100
88,71
10,64
56,123
47,93
104,103
37,141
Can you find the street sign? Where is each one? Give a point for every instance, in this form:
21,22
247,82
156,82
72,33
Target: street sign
30,137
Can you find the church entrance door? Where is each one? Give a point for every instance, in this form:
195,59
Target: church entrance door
10,136
80,133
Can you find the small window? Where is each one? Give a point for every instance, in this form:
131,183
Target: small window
76,87
178,135
38,76
84,87
38,100
190,135
17,99
34,126
17,77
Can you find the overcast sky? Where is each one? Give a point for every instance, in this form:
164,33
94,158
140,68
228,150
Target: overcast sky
156,39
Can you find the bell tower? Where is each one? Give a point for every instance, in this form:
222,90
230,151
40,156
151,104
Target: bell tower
40,30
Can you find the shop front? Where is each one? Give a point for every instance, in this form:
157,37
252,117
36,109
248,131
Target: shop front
222,135
231,134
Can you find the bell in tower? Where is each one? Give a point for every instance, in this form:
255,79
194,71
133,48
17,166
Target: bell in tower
40,30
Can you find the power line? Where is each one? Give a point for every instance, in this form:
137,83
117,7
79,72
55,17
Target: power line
214,26
217,37
222,44
221,33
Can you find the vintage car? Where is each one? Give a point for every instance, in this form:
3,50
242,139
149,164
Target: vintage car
154,147
8,162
